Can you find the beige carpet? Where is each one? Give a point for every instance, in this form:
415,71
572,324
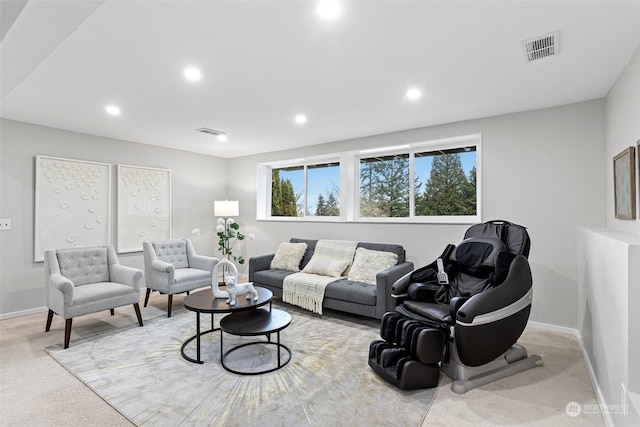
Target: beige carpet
141,373
36,391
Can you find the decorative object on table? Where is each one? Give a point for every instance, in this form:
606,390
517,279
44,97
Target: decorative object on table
144,206
624,184
234,289
72,204
231,271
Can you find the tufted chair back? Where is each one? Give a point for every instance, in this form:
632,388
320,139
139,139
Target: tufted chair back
84,265
172,251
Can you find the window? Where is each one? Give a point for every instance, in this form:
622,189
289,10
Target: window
306,190
432,182
384,186
444,183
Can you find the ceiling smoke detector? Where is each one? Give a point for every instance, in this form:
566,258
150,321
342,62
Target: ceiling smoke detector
541,47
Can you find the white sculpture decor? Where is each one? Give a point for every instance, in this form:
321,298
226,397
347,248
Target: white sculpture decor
234,289
215,285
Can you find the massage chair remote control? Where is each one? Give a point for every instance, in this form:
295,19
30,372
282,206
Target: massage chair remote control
443,279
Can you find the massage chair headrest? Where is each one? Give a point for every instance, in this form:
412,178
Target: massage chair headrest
477,254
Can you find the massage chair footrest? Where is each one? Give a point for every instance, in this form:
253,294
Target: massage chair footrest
413,376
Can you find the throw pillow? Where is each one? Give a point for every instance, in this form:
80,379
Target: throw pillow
325,266
288,256
367,263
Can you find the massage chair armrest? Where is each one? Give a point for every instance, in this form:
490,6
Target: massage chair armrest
455,304
259,263
513,295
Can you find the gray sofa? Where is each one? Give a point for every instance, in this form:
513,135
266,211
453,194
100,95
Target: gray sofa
342,294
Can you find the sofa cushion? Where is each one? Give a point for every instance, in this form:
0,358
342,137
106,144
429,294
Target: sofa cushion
386,247
288,256
311,247
273,278
355,292
326,266
367,263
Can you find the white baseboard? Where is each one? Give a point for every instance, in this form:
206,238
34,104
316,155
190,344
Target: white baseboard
554,328
23,313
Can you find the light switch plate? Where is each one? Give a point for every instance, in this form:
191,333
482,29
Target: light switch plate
5,224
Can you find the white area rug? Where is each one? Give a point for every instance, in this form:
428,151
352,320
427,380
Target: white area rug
140,372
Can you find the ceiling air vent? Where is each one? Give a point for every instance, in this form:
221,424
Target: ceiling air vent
541,47
210,131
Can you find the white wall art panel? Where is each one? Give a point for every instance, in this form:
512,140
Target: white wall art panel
72,204
144,206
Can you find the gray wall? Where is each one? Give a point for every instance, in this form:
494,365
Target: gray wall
542,169
196,181
609,269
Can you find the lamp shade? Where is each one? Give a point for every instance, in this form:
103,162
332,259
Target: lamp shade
226,208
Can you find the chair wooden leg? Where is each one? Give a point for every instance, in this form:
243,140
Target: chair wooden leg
67,332
146,298
169,306
137,309
49,319
113,311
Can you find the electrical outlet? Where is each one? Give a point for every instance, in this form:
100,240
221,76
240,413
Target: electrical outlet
5,224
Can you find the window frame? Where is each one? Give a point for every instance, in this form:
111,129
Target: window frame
265,170
423,147
349,164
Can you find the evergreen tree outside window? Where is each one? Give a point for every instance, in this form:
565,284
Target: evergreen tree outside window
384,186
306,190
447,179
437,181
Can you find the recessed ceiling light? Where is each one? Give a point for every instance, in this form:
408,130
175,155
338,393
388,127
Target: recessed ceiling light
222,138
301,119
329,10
192,74
414,94
113,110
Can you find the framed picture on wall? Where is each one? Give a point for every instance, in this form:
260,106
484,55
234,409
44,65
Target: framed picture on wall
72,204
624,184
144,206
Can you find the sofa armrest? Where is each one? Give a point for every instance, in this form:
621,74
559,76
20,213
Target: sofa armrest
384,282
61,293
162,267
202,262
259,263
126,275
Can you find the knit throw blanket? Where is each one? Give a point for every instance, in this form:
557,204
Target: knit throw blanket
307,290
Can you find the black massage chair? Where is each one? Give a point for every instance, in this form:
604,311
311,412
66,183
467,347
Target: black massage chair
463,314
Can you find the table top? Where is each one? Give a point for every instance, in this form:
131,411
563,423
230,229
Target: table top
204,302
256,322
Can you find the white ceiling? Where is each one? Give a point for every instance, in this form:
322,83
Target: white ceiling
265,61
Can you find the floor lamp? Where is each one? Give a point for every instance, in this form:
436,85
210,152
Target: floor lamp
226,209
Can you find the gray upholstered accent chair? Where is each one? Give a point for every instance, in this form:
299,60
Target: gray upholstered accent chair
173,267
86,280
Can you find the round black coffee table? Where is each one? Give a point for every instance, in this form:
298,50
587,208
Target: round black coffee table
255,323
204,302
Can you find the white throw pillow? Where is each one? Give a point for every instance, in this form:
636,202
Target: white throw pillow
325,266
288,256
368,263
